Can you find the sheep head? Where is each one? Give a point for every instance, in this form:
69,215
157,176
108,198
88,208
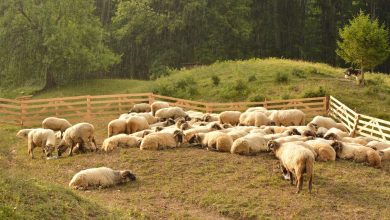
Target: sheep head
295,131
309,133
337,146
206,118
312,125
331,136
62,147
215,126
187,118
48,150
169,122
195,139
127,176
179,136
227,126
184,126
273,145
158,128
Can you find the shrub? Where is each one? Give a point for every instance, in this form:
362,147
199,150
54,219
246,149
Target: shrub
298,73
215,79
281,78
286,96
252,78
240,86
159,71
315,93
182,88
238,91
256,98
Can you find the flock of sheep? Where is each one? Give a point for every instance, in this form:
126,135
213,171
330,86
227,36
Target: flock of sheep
160,126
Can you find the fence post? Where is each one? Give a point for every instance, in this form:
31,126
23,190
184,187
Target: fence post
22,112
355,125
327,104
208,108
265,103
151,98
89,115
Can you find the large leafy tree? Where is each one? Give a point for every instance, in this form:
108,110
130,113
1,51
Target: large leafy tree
364,42
50,41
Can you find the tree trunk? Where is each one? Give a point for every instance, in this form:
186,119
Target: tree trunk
50,82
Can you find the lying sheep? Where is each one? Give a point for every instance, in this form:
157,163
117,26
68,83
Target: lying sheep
136,123
288,117
254,119
335,134
264,131
308,130
23,133
229,117
236,133
215,140
321,131
120,140
358,153
171,112
356,140
182,124
141,134
210,117
140,107
295,159
377,145
384,154
250,144
202,129
162,140
116,126
40,137
326,122
325,151
100,177
81,134
157,106
163,124
56,124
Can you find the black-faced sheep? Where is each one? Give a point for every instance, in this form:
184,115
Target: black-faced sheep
100,177
358,153
335,134
157,106
81,134
162,140
56,124
229,117
288,117
326,122
116,126
120,140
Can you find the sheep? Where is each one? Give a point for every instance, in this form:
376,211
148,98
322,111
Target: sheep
295,159
170,112
236,133
288,117
140,107
41,137
292,138
182,124
125,116
356,140
325,151
335,134
384,154
210,117
308,130
215,140
100,177
321,132
166,123
81,134
23,133
162,140
148,116
256,109
56,124
195,114
141,134
136,123
203,129
229,117
250,144
254,119
358,153
121,140
157,106
377,145
265,130
116,126
326,122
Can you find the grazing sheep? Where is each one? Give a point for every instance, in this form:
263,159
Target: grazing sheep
256,109
100,177
229,117
358,153
56,124
324,150
335,134
321,131
116,126
288,117
377,145
140,107
250,144
120,140
215,140
23,133
162,140
210,117
254,119
295,159
81,134
326,122
170,112
384,154
40,137
157,106
136,123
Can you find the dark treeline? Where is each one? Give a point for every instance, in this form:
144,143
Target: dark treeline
154,34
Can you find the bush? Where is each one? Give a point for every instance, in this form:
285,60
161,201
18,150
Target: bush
286,96
238,91
182,88
256,98
159,71
315,93
215,80
281,78
252,78
298,73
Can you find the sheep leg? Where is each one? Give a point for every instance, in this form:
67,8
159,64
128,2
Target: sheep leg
291,177
310,183
30,147
299,182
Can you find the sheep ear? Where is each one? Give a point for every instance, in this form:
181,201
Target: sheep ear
381,153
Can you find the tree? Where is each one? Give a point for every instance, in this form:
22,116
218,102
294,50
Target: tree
50,42
364,42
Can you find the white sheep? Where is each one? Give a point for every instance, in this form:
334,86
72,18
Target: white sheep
215,140
229,117
182,124
321,131
136,123
384,154
40,137
140,107
56,124
116,126
288,117
170,112
326,122
23,133
356,140
81,134
295,159
157,106
162,140
201,129
358,153
120,140
165,123
256,109
377,145
335,134
210,117
324,150
254,119
236,133
250,144
100,177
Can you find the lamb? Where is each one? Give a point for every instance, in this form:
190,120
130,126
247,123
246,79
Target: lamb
121,140
384,154
325,151
171,112
358,153
140,107
377,145
40,137
335,134
288,117
136,123
229,117
162,140
215,140
157,106
23,133
116,126
326,122
100,177
295,159
254,119
250,144
81,134
56,124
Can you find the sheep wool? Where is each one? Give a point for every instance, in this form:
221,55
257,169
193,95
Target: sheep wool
254,119
324,150
141,107
250,144
162,140
385,154
359,154
136,123
326,122
81,134
116,126
120,140
377,145
170,112
40,137
23,133
288,117
56,124
229,117
157,106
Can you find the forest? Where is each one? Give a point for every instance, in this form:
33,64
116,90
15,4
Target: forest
60,41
